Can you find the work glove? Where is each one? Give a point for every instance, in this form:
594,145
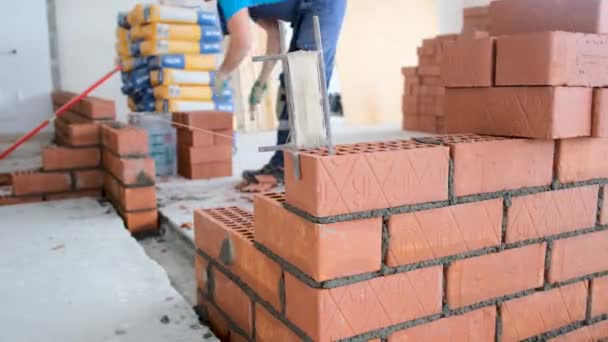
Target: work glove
221,85
257,94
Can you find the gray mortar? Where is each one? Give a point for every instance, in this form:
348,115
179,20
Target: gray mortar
131,186
282,297
386,237
498,327
548,260
231,325
506,205
253,316
444,291
227,252
588,313
451,194
254,296
428,140
597,181
210,282
600,204
143,179
555,180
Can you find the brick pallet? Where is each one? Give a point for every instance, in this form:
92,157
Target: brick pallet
415,240
203,155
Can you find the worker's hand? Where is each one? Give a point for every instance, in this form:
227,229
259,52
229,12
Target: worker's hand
221,84
257,94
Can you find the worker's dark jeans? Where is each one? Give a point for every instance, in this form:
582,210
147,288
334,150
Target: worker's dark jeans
331,16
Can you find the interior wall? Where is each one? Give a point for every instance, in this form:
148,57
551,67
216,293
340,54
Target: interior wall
378,38
86,37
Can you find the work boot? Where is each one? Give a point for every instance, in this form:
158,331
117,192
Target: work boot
268,170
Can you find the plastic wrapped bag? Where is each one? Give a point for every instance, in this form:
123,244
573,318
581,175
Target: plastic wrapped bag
182,77
192,106
162,47
188,62
160,31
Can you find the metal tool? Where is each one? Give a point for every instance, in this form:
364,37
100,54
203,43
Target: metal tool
291,148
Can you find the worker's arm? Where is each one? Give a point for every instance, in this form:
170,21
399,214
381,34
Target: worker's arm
240,41
273,47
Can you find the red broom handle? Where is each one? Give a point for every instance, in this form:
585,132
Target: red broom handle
58,113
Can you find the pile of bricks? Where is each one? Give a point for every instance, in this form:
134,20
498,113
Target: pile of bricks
423,99
72,167
423,103
204,144
94,156
461,238
129,181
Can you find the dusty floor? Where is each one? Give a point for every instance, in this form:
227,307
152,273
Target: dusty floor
71,272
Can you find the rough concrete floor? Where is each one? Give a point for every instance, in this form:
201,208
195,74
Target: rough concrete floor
71,272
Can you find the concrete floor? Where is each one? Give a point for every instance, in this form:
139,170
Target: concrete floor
71,272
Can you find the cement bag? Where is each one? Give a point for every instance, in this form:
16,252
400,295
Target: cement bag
194,93
159,31
181,77
137,80
163,47
123,20
136,16
178,15
188,62
191,106
129,64
123,35
123,50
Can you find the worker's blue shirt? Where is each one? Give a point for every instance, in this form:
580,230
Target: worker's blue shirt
231,7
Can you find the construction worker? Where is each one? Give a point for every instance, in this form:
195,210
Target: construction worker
235,16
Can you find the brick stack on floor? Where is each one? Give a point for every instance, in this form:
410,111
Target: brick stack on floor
423,103
72,167
200,153
462,238
129,181
423,99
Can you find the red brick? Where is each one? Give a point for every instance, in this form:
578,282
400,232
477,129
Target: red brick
370,176
203,155
130,171
227,236
600,113
33,183
74,195
223,137
205,170
322,251
218,324
551,213
436,233
428,123
593,333
599,296
429,71
582,159
431,80
88,179
411,122
91,107
190,138
604,209
521,16
409,71
410,104
270,329
541,312
478,159
62,158
495,275
333,314
141,221
479,325
579,256
468,63
233,301
124,140
78,134
200,273
527,112
235,337
130,199
552,58
11,200
210,120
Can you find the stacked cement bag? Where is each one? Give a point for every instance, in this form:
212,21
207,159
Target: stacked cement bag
168,55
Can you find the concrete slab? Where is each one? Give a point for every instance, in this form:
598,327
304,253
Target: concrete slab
71,272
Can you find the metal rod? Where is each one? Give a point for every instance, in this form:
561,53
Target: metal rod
324,93
275,148
269,58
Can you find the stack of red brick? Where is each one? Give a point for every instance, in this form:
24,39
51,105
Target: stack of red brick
129,181
424,95
461,238
71,169
423,99
204,144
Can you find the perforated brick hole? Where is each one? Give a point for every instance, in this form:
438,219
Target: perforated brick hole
360,148
465,139
236,219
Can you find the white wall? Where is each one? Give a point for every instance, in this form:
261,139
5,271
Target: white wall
450,13
25,77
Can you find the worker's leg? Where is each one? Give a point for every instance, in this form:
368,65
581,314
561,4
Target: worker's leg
331,16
